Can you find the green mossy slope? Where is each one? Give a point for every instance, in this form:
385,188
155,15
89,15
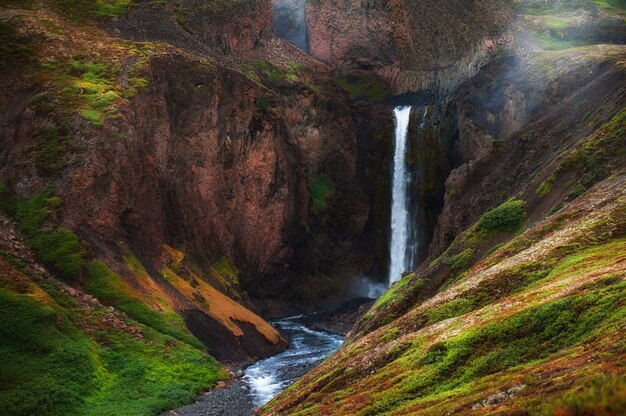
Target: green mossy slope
62,356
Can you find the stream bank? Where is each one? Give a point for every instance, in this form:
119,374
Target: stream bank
312,338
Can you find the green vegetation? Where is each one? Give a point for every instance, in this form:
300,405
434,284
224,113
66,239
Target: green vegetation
450,309
226,269
63,252
58,248
546,186
37,345
395,291
507,217
293,72
526,275
266,72
615,6
269,72
321,189
265,102
605,396
52,366
551,43
527,336
364,86
112,290
57,359
86,86
82,9
14,48
462,261
182,17
595,158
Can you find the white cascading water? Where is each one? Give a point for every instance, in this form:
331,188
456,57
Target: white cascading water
399,260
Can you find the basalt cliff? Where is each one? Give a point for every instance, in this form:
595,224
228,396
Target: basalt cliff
174,173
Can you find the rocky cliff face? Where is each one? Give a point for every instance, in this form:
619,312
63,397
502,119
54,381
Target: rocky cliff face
217,157
207,27
414,45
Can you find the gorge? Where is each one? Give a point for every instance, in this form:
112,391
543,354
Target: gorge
177,177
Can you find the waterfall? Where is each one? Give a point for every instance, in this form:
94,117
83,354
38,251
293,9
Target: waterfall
400,259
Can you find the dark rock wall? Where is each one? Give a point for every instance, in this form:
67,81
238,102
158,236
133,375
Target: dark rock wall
415,45
206,27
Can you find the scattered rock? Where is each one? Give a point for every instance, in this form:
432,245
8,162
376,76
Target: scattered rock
499,397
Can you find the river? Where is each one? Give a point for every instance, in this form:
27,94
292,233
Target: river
268,377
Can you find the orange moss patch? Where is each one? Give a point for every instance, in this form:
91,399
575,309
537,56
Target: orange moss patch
220,306
153,293
16,281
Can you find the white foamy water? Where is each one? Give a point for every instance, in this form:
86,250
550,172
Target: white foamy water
399,259
269,377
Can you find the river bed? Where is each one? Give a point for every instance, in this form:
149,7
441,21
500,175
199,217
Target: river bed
269,377
266,378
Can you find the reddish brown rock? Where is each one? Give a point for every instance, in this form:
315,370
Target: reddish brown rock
415,45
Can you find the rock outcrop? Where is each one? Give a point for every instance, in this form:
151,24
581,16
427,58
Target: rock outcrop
203,26
238,152
415,45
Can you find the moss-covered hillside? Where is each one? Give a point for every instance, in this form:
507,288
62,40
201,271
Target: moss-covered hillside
65,352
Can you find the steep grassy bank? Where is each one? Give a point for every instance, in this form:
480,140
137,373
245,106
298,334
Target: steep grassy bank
64,352
533,328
